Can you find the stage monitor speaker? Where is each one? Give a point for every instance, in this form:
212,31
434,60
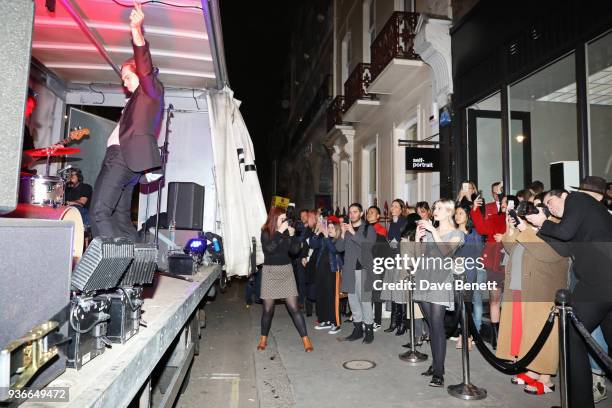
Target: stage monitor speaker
16,34
186,205
35,267
564,175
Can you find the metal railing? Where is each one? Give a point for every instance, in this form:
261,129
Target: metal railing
395,40
356,86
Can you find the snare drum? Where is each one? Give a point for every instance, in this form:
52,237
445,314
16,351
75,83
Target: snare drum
41,190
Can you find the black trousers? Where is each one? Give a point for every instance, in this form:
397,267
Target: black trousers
591,314
112,197
437,335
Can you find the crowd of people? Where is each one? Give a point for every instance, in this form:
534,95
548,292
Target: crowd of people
531,244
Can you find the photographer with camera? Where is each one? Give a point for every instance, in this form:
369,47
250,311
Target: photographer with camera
534,273
278,241
586,227
357,275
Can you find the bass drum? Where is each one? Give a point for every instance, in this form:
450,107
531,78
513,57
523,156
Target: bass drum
60,214
41,190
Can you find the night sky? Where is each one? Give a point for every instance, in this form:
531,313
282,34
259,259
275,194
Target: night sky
256,37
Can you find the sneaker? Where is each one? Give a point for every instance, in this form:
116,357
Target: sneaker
377,327
323,326
599,388
335,329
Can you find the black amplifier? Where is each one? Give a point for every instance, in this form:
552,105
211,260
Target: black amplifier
125,309
88,328
181,264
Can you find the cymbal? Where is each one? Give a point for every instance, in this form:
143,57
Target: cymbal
48,151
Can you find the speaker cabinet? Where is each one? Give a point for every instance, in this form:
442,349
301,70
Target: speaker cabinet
186,205
16,34
564,174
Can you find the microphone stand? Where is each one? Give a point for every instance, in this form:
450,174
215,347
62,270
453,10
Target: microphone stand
162,179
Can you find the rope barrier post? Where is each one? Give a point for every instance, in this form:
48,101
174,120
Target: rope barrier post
562,300
465,390
412,356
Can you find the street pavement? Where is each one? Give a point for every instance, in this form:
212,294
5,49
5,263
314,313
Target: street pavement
229,372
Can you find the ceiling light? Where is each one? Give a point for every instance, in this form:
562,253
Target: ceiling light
520,138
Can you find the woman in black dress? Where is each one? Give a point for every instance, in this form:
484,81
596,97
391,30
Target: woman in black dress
278,240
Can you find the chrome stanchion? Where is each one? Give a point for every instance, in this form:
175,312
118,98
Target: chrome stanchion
465,390
562,300
412,356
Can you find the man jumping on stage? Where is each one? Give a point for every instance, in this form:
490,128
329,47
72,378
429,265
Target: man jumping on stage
132,147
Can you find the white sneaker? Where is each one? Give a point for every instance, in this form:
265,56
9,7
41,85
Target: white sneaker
599,388
376,327
335,329
323,326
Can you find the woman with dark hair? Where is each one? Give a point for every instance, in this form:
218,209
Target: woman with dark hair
471,249
397,298
423,210
278,240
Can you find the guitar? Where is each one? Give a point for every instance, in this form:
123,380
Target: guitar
76,134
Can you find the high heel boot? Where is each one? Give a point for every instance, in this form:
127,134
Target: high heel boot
392,323
263,342
401,320
307,344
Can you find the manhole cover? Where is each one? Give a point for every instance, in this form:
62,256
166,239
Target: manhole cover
359,365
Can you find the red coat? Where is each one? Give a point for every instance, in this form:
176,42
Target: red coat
491,208
489,226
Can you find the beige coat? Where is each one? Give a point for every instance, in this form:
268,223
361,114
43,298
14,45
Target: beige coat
544,271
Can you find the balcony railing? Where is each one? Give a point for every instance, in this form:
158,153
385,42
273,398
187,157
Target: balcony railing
395,40
334,112
356,86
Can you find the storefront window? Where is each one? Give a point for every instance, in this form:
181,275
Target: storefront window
545,102
600,106
484,143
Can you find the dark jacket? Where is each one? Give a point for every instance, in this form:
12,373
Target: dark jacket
396,229
278,248
142,116
357,247
587,228
320,242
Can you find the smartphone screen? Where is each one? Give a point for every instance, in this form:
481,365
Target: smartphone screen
511,205
465,187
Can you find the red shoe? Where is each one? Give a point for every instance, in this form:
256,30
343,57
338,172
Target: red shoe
539,388
522,379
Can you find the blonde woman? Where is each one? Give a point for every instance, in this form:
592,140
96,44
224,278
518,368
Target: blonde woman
440,244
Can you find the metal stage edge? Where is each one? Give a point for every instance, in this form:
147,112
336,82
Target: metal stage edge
123,372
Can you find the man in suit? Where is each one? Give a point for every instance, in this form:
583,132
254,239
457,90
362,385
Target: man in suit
586,227
132,147
493,207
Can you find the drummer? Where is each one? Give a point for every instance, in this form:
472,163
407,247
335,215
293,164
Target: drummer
78,194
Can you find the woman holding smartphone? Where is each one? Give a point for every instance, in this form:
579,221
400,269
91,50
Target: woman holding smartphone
278,241
440,242
328,264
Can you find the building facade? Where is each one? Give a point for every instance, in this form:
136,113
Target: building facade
533,92
391,79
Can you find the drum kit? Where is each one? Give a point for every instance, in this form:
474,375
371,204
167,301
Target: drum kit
48,190
42,197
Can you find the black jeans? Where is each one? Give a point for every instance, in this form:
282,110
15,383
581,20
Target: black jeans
437,335
112,197
591,314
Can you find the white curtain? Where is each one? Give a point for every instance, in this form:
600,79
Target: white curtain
239,196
